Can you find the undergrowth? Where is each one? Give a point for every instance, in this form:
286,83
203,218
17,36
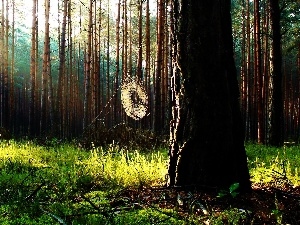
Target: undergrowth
64,184
270,165
46,184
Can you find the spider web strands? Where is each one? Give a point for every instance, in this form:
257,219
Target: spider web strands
111,101
134,99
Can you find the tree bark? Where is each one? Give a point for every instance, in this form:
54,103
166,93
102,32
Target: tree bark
12,110
61,107
207,136
258,72
140,41
33,61
116,81
87,72
148,66
159,67
276,132
46,72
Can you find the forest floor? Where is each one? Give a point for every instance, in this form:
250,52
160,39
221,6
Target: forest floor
264,205
60,183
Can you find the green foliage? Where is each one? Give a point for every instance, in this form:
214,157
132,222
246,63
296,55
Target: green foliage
66,184
124,168
233,191
47,183
277,212
230,216
278,166
149,216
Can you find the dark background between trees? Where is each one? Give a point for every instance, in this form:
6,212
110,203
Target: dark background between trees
63,79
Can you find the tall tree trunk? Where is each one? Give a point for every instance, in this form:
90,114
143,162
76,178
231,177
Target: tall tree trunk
69,101
6,72
148,66
116,86
46,72
2,46
2,66
107,108
249,73
124,49
159,67
243,71
276,133
33,62
298,69
87,67
167,67
207,138
266,67
125,41
61,107
12,115
258,72
140,41
130,58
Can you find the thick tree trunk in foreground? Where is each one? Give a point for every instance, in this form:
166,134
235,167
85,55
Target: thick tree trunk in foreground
207,137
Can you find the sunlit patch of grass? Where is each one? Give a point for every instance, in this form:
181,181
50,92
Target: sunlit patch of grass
269,165
64,180
126,169
21,154
61,178
278,170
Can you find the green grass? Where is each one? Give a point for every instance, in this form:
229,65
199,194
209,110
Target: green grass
45,185
274,165
38,182
125,169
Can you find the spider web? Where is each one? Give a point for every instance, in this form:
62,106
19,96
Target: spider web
134,99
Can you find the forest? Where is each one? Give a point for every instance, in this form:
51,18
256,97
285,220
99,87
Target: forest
64,65
149,112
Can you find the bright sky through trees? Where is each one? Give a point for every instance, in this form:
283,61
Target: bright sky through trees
24,12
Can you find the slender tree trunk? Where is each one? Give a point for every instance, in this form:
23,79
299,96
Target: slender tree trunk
249,123
46,72
164,74
148,66
298,69
33,62
130,57
140,41
61,107
125,41
266,66
87,66
69,103
116,97
12,115
2,109
6,106
98,72
258,72
37,77
108,109
159,67
243,71
276,133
